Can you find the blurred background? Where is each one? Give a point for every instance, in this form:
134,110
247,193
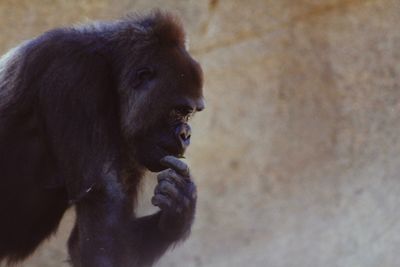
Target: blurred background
297,155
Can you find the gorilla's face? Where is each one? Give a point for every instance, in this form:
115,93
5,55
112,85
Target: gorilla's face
171,137
167,95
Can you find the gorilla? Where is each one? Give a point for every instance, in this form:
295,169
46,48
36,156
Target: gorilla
84,112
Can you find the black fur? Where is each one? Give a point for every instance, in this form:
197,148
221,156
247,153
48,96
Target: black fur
83,113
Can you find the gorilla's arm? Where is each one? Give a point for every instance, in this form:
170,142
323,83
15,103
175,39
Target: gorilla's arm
78,103
109,236
101,236
79,107
175,194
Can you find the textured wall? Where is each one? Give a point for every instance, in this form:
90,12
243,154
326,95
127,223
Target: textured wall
297,155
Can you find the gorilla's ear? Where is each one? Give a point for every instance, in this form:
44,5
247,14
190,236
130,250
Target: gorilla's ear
79,104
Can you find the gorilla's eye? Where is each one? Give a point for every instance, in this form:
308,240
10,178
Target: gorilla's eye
145,73
142,75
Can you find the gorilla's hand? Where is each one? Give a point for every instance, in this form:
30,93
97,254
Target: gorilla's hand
175,195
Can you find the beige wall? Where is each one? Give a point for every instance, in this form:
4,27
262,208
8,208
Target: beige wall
297,155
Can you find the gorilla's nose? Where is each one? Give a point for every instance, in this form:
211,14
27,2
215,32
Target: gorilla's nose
183,134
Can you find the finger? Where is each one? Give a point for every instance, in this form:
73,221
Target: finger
161,201
191,191
176,164
172,177
168,189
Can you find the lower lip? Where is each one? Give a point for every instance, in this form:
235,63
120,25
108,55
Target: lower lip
166,153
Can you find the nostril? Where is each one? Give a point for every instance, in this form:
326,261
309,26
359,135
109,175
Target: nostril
183,133
184,136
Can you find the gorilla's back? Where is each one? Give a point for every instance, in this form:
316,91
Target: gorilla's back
25,167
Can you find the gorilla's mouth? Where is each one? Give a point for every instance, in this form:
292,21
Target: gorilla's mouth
168,151
152,160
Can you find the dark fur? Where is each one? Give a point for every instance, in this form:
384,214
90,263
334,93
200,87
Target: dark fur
77,127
